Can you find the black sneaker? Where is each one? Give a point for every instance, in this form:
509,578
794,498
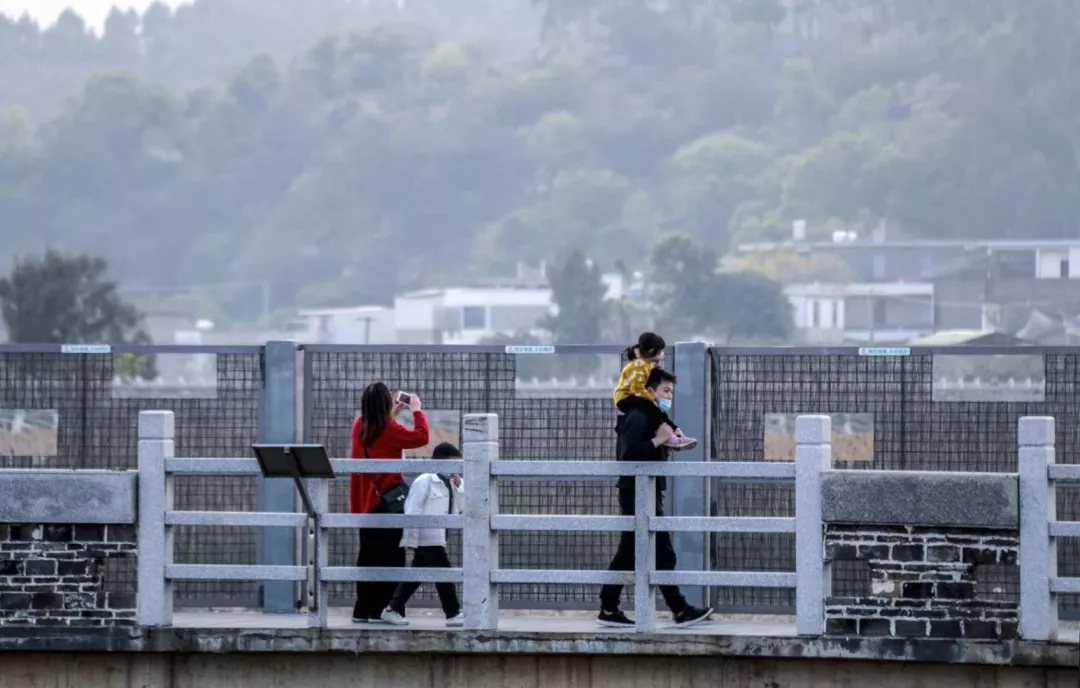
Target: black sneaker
615,619
360,619
691,616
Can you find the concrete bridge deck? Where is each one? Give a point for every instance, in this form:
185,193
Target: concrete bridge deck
521,622
524,633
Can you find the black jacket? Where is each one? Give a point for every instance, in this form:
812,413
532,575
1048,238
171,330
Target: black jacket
635,443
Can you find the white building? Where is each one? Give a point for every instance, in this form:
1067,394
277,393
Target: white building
883,313
354,325
467,315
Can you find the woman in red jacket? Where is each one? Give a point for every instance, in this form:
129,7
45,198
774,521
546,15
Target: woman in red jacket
376,435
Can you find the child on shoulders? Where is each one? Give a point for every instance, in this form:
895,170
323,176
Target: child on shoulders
631,393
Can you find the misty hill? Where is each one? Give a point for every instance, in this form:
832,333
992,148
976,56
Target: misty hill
345,151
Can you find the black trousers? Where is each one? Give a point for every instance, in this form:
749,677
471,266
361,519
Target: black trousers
428,558
379,547
624,557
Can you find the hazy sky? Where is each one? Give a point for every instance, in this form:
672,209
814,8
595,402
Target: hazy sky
94,11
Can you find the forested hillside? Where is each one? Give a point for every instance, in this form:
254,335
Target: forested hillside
346,150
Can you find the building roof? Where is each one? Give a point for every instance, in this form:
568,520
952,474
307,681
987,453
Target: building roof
967,338
482,296
870,244
350,310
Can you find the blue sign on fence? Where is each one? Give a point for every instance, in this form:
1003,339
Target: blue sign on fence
522,349
85,349
884,351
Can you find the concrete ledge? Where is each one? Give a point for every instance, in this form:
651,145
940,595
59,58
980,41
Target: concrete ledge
217,641
52,496
963,500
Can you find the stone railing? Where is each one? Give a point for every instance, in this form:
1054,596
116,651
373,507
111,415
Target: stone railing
58,529
918,540
481,524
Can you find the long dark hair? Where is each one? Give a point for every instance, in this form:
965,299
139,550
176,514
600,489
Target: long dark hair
376,406
648,345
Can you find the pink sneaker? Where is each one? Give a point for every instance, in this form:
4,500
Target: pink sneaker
681,442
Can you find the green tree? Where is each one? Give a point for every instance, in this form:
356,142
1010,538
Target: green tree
696,299
578,292
59,299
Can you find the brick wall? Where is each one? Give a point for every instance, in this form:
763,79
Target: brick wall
922,582
55,575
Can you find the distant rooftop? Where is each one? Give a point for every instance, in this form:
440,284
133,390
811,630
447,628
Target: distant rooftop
870,244
348,310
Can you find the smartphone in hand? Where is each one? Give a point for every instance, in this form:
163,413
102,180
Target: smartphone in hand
404,398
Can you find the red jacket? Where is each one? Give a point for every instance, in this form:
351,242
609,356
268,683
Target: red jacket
391,444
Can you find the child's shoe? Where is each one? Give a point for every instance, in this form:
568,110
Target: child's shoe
681,442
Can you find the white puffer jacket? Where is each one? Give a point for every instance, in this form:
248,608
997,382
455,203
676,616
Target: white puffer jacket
429,496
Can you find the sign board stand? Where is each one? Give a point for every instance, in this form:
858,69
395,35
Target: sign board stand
300,462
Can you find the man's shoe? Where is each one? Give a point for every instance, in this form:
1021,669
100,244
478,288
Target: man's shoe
456,621
615,619
360,619
691,616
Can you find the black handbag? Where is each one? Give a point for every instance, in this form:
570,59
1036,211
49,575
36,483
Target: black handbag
393,500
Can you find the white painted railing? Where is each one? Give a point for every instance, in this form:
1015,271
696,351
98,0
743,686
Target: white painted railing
482,522
1040,530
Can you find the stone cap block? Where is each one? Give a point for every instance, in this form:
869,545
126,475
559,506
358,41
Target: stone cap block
55,496
958,500
157,425
1035,431
813,429
480,427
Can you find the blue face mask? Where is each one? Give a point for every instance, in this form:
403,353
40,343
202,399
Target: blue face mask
664,404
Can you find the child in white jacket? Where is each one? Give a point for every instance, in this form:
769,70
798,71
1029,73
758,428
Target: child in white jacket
430,495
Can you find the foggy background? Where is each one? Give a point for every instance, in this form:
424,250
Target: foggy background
510,171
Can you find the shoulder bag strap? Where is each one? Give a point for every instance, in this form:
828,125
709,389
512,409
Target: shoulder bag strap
374,485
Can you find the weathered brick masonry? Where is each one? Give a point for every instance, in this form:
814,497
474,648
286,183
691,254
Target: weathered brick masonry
922,582
54,575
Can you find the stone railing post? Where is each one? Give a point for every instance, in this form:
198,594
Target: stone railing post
317,553
480,447
813,455
1038,506
644,554
155,594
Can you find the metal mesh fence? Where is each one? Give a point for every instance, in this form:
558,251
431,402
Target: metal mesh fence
79,416
533,424
904,413
922,412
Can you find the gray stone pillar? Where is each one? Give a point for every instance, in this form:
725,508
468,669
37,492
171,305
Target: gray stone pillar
1038,554
644,554
690,496
813,455
480,447
277,425
155,594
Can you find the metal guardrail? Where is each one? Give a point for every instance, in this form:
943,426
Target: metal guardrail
1040,530
481,523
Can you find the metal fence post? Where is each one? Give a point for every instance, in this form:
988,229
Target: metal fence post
813,455
644,554
277,425
690,496
317,555
155,594
480,447
1038,506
